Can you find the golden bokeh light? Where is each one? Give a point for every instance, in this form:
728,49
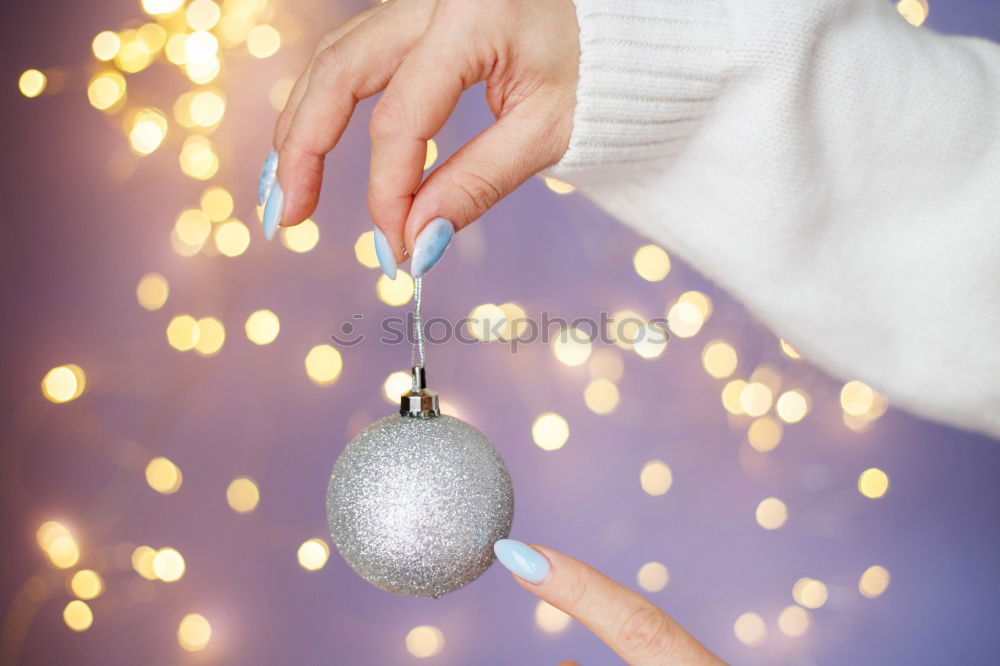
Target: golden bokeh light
651,341
86,584
395,385
515,321
550,431
163,475
161,7
719,359
279,92
651,262
262,327
750,629
192,227
142,562
216,203
424,641
198,159
242,494
106,90
601,396
302,237
789,350
431,155
656,477
32,83
263,41
105,45
323,364
64,383
200,47
149,129
168,565
549,618
313,554
232,238
203,14
793,621
914,11
78,615
755,399
873,483
134,55
176,48
48,532
153,36
792,406
211,336
856,398
607,363
486,322
58,543
771,513
874,581
206,108
194,632
558,186
731,393
624,328
364,250
810,592
571,347
395,292
652,576
152,291
699,300
685,319
183,333
764,433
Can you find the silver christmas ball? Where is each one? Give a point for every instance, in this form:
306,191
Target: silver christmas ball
415,504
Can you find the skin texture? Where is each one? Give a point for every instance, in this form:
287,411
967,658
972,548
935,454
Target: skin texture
422,54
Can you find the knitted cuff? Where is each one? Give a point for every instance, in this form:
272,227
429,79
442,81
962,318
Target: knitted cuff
649,71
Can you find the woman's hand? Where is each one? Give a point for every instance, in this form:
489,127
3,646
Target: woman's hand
424,54
634,628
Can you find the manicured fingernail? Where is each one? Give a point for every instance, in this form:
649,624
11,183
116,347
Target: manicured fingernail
430,245
522,560
267,176
384,253
272,211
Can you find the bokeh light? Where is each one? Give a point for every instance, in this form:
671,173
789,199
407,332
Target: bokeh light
105,45
550,431
263,41
262,327
750,629
198,159
323,364
793,621
32,83
914,11
216,203
764,434
571,346
652,576
424,641
78,615
755,399
607,363
810,593
64,383
651,262
719,358
242,495
59,544
211,336
792,406
206,108
142,561
163,475
771,513
168,565
656,477
194,632
395,292
106,90
183,333
302,237
874,581
558,186
232,238
431,155
149,129
395,385
601,396
312,554
86,584
549,618
364,250
873,483
856,398
203,14
152,291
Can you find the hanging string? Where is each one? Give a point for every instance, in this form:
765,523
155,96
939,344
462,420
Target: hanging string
417,351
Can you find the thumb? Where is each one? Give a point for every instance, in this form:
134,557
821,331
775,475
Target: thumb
531,137
639,632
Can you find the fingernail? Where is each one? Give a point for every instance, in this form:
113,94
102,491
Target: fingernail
267,176
522,560
384,253
272,212
430,245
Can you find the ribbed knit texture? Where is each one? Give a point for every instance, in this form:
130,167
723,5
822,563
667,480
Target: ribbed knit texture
833,167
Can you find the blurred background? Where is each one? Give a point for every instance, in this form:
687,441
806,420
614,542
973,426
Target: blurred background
173,403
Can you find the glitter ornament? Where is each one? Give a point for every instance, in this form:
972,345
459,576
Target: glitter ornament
417,500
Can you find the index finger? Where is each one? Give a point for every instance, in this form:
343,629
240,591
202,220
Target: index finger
639,632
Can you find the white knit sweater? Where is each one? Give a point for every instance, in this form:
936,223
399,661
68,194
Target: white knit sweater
833,167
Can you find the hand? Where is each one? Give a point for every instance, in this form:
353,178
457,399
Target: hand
424,54
638,631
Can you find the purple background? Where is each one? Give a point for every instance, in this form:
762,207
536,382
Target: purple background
76,244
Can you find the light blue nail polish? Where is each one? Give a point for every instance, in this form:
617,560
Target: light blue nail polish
522,560
430,245
272,211
384,253
267,177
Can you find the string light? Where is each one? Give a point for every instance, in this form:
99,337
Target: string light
193,226
198,159
323,364
731,394
856,398
424,641
550,431
242,495
207,108
203,14
656,477
149,129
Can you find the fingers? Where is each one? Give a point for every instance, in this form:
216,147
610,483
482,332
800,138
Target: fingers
639,632
356,66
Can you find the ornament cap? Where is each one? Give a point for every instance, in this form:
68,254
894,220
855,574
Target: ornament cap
419,402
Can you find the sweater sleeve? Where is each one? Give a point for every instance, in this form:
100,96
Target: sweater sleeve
830,165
